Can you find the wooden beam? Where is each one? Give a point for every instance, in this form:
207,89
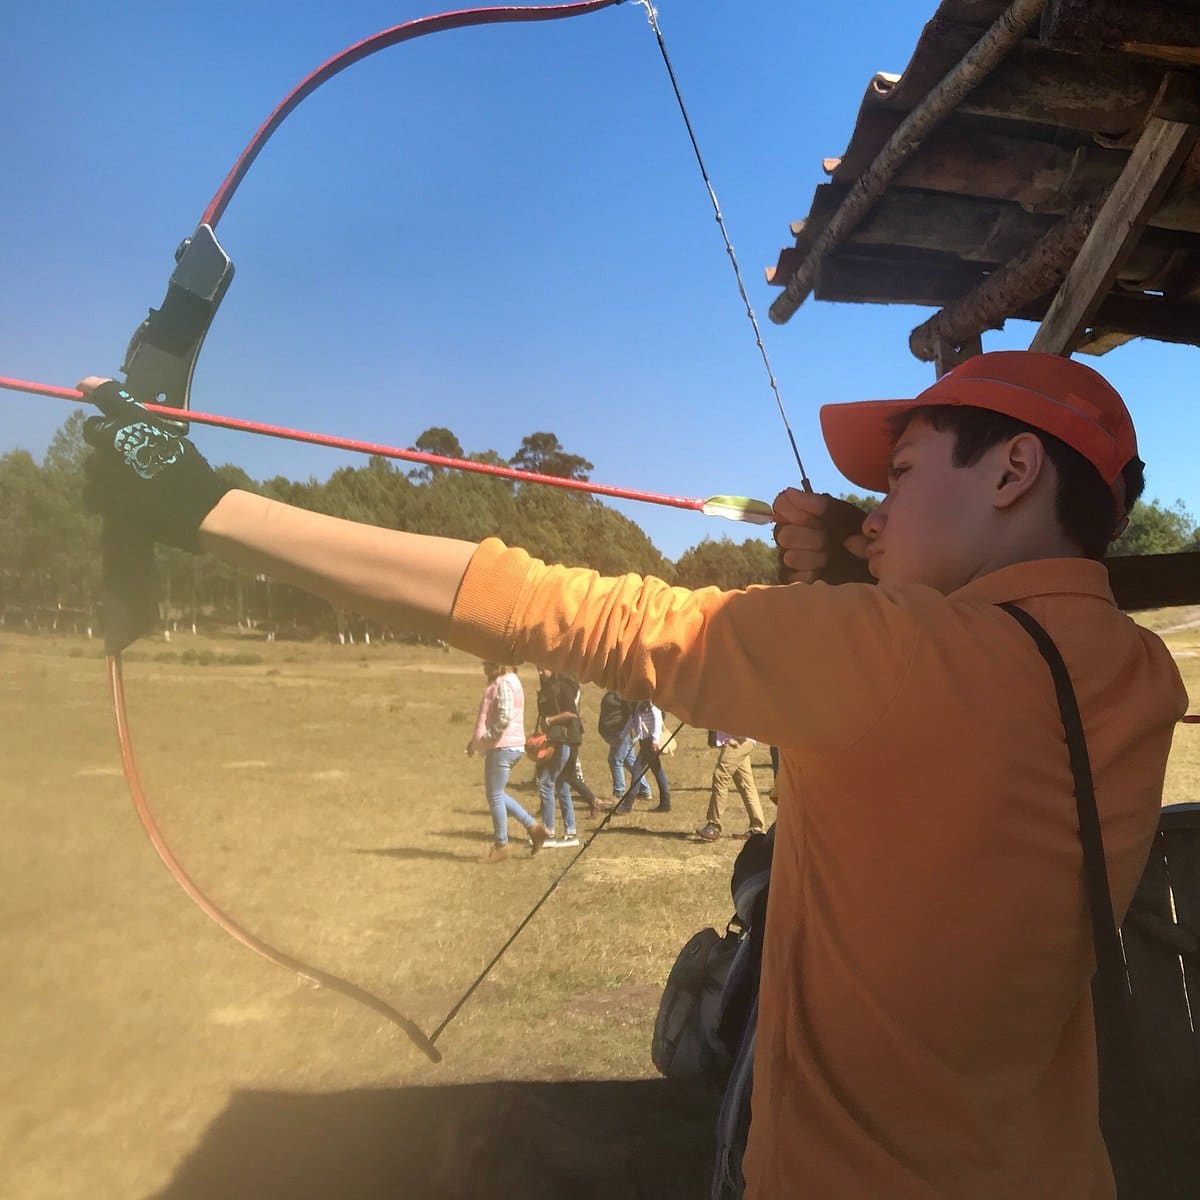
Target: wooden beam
1035,272
1153,164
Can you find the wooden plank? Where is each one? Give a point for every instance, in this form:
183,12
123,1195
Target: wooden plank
1135,26
1152,165
1155,581
1100,341
974,229
925,279
1162,1031
1099,94
1181,836
868,277
1137,315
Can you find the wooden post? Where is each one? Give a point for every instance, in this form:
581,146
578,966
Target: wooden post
1153,164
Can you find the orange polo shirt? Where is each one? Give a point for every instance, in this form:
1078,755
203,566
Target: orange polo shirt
925,1027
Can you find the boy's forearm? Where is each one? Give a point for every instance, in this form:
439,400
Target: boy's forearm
406,580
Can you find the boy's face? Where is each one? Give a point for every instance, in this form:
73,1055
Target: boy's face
932,527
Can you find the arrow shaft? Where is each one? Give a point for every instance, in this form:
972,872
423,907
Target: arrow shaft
360,447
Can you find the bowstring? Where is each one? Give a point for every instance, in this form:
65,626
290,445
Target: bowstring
652,16
516,933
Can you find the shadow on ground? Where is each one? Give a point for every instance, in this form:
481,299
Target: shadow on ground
412,853
647,1139
674,835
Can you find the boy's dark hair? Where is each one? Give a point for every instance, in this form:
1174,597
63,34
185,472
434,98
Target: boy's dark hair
1084,503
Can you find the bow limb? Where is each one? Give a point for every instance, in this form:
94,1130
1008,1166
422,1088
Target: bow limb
507,14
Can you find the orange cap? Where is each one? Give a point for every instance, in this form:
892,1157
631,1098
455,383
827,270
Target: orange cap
1057,395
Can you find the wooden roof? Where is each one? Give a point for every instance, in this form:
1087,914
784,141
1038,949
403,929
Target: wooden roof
1086,122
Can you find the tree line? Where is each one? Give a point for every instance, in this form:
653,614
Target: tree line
50,568
50,571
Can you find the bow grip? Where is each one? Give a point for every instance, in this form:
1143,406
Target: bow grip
159,364
162,353
130,588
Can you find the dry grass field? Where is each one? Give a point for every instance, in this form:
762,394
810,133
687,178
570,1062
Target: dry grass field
322,795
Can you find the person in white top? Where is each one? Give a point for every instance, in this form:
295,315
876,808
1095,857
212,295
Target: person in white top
646,729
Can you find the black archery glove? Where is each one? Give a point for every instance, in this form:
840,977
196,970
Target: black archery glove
146,478
813,545
843,520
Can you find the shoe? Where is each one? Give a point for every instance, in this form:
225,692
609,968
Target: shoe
660,807
642,796
568,839
539,835
497,854
708,832
624,808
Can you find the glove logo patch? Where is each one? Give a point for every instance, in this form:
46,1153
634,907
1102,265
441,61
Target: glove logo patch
147,449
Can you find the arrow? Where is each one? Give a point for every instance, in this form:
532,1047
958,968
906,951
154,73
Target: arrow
732,508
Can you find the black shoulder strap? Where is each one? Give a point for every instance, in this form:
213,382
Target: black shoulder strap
1126,1129
1109,958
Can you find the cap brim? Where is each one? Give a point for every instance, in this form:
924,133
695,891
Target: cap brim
859,438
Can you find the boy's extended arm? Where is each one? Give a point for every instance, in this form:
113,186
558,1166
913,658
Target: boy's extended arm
406,580
833,657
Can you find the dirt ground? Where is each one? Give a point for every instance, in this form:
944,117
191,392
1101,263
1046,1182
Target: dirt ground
321,794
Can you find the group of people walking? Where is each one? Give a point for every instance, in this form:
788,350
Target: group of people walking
633,731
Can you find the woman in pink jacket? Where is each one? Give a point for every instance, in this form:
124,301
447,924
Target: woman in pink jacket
500,737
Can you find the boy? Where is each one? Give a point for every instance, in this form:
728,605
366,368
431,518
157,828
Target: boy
925,1025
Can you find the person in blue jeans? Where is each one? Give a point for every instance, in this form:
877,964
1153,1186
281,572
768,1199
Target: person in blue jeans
500,737
613,727
646,727
552,781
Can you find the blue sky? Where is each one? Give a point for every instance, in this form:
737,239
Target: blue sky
499,230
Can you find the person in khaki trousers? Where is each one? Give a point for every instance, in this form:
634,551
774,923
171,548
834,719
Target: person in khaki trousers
733,766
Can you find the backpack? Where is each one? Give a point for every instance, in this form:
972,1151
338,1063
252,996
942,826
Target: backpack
709,1010
750,885
614,716
686,1044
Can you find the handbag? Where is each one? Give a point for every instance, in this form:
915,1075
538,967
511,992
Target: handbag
567,733
538,748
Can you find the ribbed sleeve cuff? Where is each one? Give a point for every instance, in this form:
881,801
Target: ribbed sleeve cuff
481,621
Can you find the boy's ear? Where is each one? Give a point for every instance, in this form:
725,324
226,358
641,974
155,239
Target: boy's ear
1022,461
